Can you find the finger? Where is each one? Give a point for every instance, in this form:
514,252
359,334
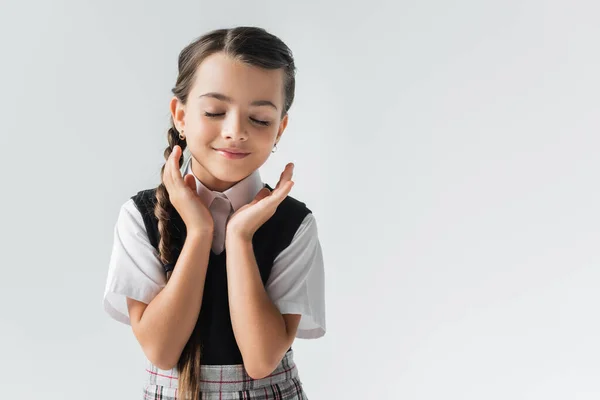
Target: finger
190,182
286,175
172,175
290,167
278,195
263,193
174,170
166,176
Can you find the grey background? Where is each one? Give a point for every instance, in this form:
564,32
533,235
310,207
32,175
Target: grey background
449,150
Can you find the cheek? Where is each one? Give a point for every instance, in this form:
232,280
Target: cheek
198,122
205,131
267,138
264,148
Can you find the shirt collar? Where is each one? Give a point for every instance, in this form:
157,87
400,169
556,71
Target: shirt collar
239,194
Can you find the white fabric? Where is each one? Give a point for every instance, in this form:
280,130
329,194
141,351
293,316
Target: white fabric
296,284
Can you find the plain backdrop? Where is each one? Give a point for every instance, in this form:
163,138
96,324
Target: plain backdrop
448,149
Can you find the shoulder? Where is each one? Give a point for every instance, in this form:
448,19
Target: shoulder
130,219
289,221
145,193
292,205
290,213
144,199
290,202
304,220
136,216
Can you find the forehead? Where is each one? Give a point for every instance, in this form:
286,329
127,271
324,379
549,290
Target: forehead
243,82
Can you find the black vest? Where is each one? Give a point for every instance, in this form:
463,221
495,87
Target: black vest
218,345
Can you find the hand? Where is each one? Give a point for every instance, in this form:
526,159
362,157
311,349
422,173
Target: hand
246,221
183,196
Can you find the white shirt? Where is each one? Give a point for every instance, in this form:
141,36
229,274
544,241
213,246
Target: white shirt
296,284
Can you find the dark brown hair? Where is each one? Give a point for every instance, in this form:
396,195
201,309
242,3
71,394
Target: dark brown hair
253,46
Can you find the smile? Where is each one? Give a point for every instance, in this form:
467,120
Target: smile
232,154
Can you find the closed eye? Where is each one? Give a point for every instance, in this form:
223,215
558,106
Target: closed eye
258,121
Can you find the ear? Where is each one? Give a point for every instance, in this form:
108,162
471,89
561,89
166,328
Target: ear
177,113
282,126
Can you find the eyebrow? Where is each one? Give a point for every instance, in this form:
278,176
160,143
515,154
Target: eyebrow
222,97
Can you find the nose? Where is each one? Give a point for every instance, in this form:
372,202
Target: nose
235,129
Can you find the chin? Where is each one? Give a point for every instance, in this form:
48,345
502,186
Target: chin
230,174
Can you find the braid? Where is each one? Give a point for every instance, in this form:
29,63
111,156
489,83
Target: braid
163,207
188,364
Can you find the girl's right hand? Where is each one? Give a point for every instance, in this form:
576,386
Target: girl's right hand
183,196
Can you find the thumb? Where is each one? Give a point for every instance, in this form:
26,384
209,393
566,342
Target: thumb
264,192
190,182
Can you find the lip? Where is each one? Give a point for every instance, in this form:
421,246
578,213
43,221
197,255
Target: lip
232,153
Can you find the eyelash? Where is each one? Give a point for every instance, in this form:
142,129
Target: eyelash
263,123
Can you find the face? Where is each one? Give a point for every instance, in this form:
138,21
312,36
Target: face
231,119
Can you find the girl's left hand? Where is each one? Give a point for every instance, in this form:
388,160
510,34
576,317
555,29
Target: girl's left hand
246,221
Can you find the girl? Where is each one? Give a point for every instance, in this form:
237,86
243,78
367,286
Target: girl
216,272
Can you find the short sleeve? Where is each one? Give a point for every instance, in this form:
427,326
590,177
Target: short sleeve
297,281
134,270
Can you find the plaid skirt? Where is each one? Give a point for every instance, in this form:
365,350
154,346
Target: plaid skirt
229,382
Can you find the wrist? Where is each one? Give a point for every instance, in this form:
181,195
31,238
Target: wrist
202,234
236,238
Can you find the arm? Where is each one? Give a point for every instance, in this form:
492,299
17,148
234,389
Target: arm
164,326
262,333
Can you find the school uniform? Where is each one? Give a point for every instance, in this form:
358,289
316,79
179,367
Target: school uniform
290,262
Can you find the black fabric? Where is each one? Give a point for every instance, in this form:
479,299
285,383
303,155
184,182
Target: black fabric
214,322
